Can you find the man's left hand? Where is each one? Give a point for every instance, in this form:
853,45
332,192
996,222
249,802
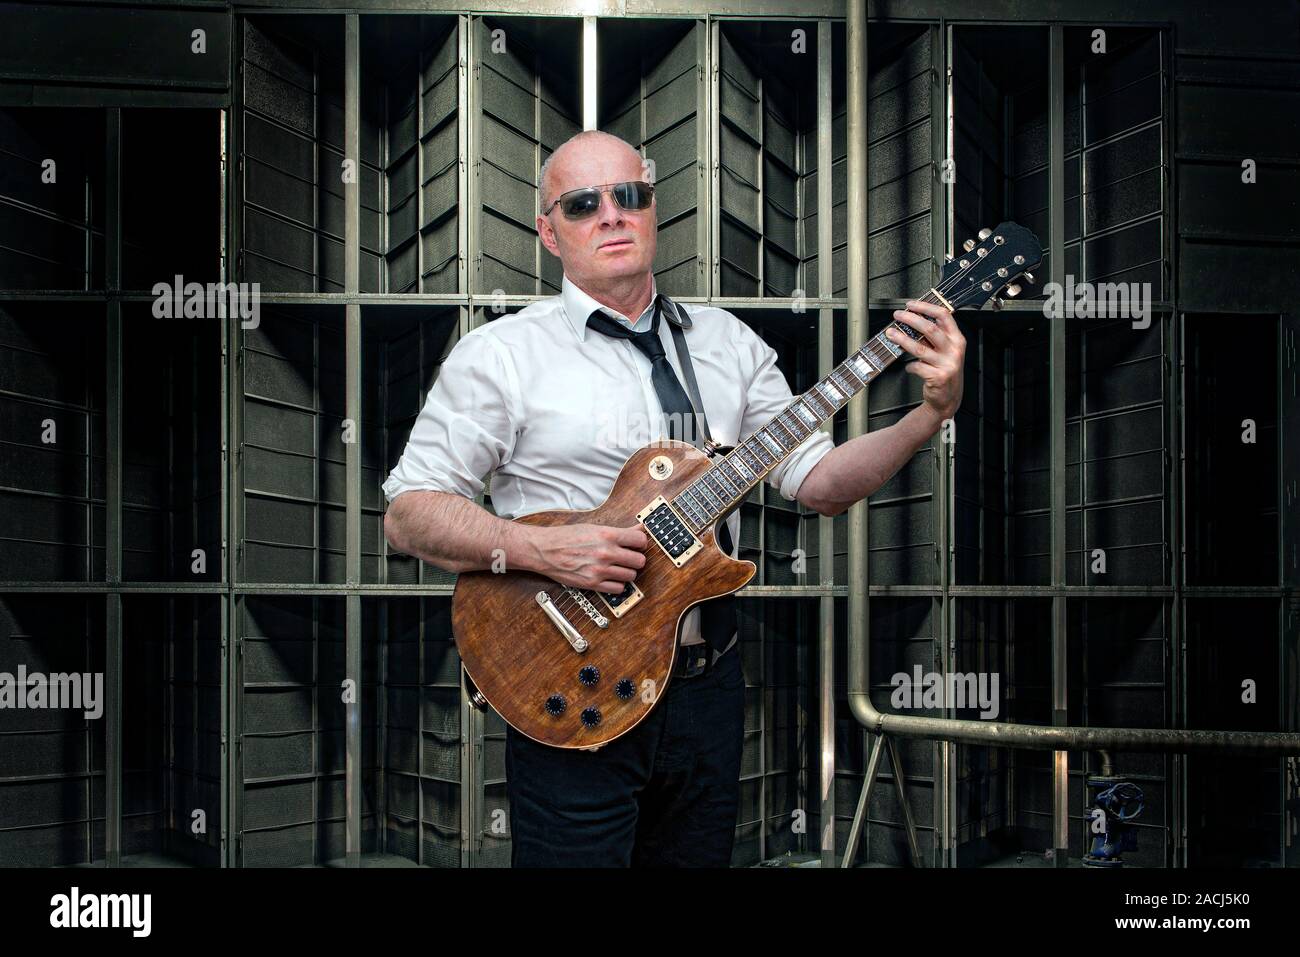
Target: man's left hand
939,363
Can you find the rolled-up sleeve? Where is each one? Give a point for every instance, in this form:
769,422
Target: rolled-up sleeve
467,427
768,394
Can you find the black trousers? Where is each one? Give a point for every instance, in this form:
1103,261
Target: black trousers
666,794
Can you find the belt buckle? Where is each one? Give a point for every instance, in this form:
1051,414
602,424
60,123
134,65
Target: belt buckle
693,661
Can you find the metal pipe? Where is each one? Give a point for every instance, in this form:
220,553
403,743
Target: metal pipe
825,524
352,774
988,733
1107,766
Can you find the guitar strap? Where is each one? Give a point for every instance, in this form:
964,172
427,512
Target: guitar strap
718,616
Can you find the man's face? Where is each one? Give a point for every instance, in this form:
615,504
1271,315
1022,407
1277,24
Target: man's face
611,242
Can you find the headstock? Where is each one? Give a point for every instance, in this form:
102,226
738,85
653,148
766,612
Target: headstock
989,265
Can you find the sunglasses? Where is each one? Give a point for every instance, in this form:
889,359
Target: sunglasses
581,203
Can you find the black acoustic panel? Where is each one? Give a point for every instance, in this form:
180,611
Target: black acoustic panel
402,351
172,755
983,773
767,160
528,107
52,765
1116,151
902,635
518,116
292,162
1118,669
1115,427
1123,89
292,720
420,728
101,45
1229,642
980,461
1001,121
51,198
292,452
1232,490
654,108
171,161
52,473
410,147
172,448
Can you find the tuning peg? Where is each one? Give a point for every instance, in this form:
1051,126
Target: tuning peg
968,245
1029,277
985,233
997,303
947,257
1013,289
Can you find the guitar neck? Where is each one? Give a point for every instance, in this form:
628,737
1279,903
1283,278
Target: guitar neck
729,480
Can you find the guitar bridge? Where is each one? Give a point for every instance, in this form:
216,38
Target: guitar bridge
669,531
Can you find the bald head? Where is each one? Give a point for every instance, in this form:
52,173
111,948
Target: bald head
608,252
584,143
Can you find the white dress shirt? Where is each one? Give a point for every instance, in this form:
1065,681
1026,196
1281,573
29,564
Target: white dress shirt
551,410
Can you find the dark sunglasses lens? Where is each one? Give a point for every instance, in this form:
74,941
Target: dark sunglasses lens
633,195
580,203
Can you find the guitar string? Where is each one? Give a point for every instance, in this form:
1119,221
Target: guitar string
565,602
942,288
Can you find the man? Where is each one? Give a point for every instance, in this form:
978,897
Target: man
551,407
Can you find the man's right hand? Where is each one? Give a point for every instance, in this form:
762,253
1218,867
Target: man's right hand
595,557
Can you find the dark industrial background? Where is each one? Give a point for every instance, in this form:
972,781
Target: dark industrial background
177,435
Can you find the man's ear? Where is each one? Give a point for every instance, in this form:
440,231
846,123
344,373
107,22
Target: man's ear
547,235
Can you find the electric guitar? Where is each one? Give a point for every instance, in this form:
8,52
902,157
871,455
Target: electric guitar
577,668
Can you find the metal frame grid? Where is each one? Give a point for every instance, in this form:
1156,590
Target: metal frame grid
469,839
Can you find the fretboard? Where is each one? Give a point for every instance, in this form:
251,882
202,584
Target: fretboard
725,484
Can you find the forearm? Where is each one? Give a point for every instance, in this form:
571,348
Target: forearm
852,471
455,533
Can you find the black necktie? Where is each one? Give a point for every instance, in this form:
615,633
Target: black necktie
672,396
718,616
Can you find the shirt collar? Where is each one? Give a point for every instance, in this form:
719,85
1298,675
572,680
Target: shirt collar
578,306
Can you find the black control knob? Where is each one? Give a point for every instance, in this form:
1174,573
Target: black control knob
589,675
625,688
591,717
556,704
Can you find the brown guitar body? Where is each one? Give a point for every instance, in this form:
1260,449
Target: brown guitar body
519,658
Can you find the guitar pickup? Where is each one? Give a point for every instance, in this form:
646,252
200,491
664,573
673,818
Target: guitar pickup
669,531
620,603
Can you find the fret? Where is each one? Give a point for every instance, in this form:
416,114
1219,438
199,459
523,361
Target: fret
734,475
738,463
806,414
702,503
793,432
786,429
699,514
862,366
723,481
692,507
708,496
692,521
763,454
751,458
832,394
773,442
813,401
895,350
847,384
770,443
713,483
